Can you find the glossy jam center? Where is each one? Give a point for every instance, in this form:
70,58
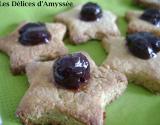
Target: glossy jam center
152,16
33,34
72,71
143,44
90,12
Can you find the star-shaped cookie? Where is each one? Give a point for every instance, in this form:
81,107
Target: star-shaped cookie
20,55
149,3
138,25
80,31
143,72
45,103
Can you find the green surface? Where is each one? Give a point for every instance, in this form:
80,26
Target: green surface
136,107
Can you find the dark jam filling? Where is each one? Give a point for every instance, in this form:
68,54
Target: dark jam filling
152,16
33,34
72,71
90,12
143,44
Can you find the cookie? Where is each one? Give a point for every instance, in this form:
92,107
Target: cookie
89,21
142,69
149,3
45,102
25,44
144,21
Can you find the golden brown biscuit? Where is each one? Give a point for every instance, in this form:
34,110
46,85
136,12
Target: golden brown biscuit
149,3
81,31
138,25
142,72
20,55
45,103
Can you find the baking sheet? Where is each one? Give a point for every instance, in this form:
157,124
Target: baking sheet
137,106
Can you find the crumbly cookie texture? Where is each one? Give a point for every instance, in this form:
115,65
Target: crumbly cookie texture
46,103
81,31
142,72
21,55
138,25
149,3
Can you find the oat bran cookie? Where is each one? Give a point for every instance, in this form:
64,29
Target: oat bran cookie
89,21
144,21
79,99
32,42
138,57
149,3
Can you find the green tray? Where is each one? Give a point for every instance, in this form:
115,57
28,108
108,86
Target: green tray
137,106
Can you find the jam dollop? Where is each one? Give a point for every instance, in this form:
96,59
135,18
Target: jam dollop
33,34
144,45
90,12
72,71
152,16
